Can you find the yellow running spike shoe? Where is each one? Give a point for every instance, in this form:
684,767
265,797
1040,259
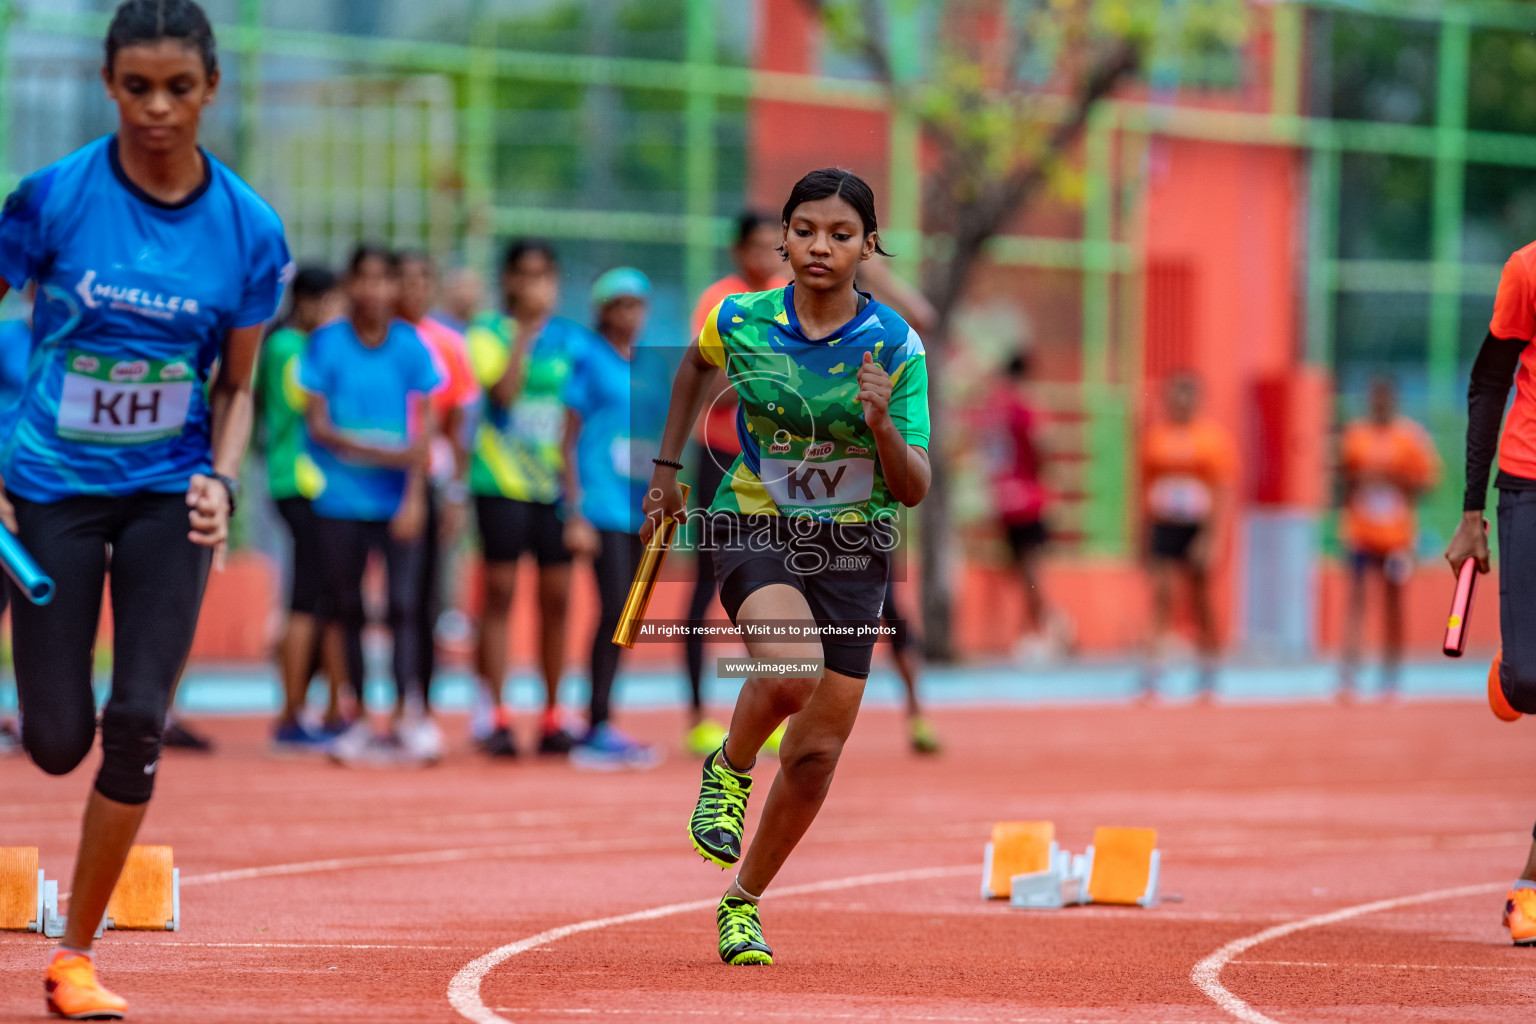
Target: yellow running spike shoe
75,994
741,934
1520,916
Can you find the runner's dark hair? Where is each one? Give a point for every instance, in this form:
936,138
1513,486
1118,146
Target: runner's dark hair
834,181
520,247
366,251
311,282
749,221
418,256
148,21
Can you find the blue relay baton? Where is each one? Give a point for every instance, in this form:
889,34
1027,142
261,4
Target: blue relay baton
33,583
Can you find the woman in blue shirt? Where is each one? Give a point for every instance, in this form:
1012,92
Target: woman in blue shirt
616,405
154,265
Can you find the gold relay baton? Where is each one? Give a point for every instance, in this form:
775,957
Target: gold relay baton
645,579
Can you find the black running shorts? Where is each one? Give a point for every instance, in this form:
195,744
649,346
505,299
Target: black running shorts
841,568
509,529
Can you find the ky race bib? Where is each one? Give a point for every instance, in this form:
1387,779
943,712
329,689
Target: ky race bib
123,401
817,482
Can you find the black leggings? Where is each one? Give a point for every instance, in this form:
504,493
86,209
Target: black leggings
345,545
157,582
429,598
712,466
617,559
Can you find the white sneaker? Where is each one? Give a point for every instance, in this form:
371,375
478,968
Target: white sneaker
420,739
363,747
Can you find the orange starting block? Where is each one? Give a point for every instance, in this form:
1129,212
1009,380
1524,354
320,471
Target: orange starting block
29,902
1024,864
147,896
1017,848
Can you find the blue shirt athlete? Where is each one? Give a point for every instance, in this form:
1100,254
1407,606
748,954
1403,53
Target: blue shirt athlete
135,298
154,265
368,391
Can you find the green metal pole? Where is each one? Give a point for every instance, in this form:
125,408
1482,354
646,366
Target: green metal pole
1322,256
1104,525
699,177
904,216
7,16
250,87
1285,69
479,121
1449,200
1445,299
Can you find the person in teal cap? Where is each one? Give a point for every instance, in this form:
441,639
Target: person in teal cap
616,404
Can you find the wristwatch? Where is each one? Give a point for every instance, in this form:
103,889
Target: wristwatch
232,486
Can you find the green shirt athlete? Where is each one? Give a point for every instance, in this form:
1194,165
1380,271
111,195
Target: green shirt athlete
290,473
517,448
806,446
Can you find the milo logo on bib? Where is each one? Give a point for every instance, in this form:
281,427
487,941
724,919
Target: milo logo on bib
806,480
123,401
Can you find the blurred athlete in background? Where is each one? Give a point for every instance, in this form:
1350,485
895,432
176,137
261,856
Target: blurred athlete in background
522,359
368,380
1388,462
291,478
1187,463
1011,426
758,268
446,490
616,403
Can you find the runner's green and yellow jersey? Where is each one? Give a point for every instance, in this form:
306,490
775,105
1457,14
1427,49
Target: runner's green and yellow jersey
517,450
280,403
806,449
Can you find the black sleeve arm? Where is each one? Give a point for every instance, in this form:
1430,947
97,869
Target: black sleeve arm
1492,374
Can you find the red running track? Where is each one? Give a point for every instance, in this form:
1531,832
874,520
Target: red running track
316,893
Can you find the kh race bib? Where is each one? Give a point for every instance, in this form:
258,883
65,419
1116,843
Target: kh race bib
123,401
816,482
1179,498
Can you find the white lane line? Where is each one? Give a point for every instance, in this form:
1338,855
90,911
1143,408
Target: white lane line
1207,973
1376,967
464,989
283,945
863,1015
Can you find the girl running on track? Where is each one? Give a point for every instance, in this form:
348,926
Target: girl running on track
154,264
522,359
1507,355
834,428
616,403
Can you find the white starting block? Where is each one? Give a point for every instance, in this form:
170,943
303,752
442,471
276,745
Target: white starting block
1024,863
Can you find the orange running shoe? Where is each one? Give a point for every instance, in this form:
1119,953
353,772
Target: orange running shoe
1520,916
1496,699
75,994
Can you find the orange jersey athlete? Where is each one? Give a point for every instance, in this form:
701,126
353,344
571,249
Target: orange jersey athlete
1387,462
1188,462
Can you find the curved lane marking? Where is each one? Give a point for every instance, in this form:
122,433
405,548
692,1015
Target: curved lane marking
464,989
1207,973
